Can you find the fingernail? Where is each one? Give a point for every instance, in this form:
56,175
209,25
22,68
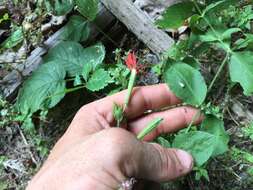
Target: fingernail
185,159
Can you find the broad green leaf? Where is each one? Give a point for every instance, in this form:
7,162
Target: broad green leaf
241,70
95,56
69,55
99,80
187,83
215,126
200,144
44,89
175,16
76,29
62,7
88,8
15,38
73,57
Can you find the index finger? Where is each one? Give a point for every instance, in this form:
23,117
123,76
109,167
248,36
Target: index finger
143,99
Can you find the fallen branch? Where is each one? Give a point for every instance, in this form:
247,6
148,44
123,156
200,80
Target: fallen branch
140,24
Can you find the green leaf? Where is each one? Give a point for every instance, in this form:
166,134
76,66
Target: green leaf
62,7
175,16
151,127
200,144
15,38
118,113
217,6
99,80
187,83
73,57
44,89
227,34
88,8
94,57
215,126
163,142
76,29
241,70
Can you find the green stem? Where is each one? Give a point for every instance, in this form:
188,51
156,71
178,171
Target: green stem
151,126
130,87
218,72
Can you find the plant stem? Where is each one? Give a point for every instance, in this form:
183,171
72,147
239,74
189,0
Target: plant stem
218,72
130,87
151,126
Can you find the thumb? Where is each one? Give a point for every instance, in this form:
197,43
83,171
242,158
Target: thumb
160,164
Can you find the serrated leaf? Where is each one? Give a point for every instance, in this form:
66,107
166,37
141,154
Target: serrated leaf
68,54
241,70
215,126
95,56
44,89
187,83
76,29
88,8
61,7
175,15
200,144
15,38
99,80
73,57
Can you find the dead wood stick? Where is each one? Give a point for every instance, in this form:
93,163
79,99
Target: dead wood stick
140,24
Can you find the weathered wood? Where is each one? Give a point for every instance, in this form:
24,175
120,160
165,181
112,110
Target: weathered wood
140,24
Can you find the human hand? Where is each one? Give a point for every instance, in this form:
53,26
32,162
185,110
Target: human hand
94,155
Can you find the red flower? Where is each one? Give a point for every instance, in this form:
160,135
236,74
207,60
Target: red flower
131,61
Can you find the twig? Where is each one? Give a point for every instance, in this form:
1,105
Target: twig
26,143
